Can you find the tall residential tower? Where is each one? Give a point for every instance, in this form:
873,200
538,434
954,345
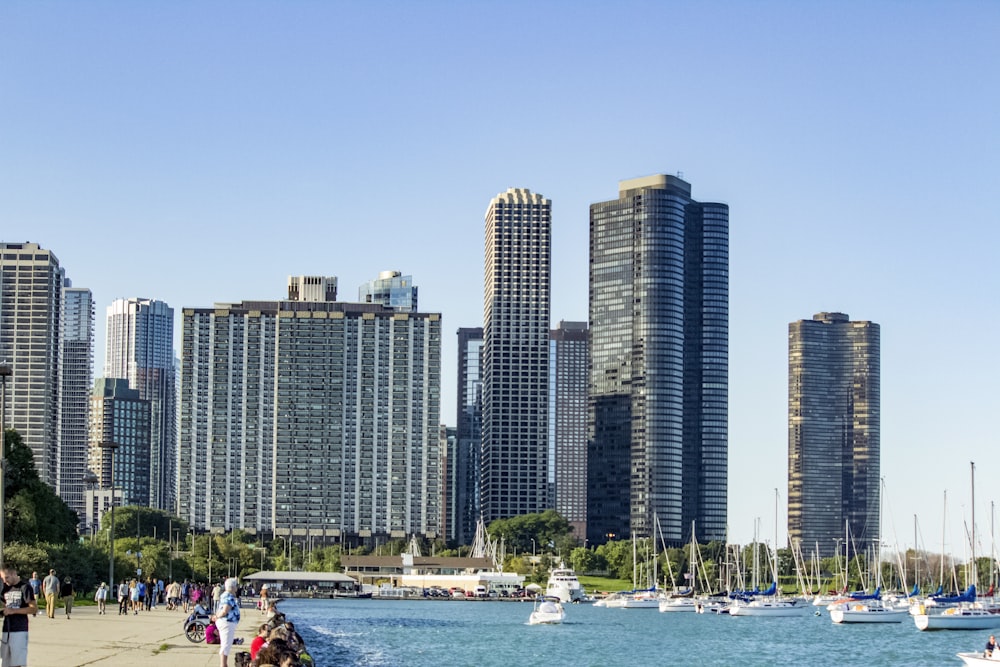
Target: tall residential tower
75,378
31,284
659,322
833,432
515,449
140,349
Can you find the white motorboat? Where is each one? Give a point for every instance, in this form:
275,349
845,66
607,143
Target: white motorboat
980,658
547,611
563,584
872,612
668,605
964,617
772,607
648,599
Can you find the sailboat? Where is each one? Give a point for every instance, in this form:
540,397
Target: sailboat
684,601
872,609
770,603
968,614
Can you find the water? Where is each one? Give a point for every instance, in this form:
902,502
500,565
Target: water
420,633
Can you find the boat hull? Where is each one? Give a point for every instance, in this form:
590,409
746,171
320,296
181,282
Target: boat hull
868,615
957,621
978,659
773,610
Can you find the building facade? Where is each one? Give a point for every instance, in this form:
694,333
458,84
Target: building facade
568,384
515,450
833,433
75,385
468,433
31,284
659,318
311,418
119,415
140,349
391,289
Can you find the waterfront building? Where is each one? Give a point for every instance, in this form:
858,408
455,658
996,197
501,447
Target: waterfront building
311,418
568,383
659,319
449,508
31,284
140,349
515,451
75,384
391,289
468,432
833,433
119,415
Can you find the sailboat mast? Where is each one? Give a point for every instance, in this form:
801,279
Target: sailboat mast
943,524
972,471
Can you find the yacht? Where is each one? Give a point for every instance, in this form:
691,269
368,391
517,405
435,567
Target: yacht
564,585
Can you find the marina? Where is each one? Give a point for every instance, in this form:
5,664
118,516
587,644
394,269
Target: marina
414,633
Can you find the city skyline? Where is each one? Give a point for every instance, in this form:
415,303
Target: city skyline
170,152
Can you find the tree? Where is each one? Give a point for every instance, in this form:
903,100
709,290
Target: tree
32,511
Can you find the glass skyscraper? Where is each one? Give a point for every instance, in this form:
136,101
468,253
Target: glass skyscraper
140,349
833,433
659,322
568,385
468,433
515,451
391,289
76,375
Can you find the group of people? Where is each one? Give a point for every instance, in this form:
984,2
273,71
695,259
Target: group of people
277,644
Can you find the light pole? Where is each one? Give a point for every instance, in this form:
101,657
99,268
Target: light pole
138,561
532,548
284,543
111,446
5,372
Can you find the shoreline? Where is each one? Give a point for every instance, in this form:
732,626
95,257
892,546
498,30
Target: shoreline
153,637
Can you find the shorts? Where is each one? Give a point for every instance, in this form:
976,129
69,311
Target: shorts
14,650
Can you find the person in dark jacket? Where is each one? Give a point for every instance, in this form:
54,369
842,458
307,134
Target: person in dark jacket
67,594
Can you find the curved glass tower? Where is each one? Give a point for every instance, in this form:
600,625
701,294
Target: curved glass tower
659,318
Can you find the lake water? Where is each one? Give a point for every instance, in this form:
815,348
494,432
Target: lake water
484,634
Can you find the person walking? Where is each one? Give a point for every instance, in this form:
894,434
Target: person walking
123,598
227,616
50,586
101,598
67,593
18,604
36,587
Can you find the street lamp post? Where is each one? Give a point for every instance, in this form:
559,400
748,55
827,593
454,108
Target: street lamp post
5,372
111,446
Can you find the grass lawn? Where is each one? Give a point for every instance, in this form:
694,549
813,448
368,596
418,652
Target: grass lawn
603,584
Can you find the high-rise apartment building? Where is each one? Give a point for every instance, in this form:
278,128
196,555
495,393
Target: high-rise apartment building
833,433
140,349
75,384
515,450
311,418
31,284
119,415
391,289
468,433
569,376
659,319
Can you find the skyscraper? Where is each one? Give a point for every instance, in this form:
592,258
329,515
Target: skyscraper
75,377
121,416
659,319
140,349
31,284
569,375
393,290
468,433
515,451
311,419
833,432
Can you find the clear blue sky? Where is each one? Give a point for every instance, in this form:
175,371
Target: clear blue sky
198,152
